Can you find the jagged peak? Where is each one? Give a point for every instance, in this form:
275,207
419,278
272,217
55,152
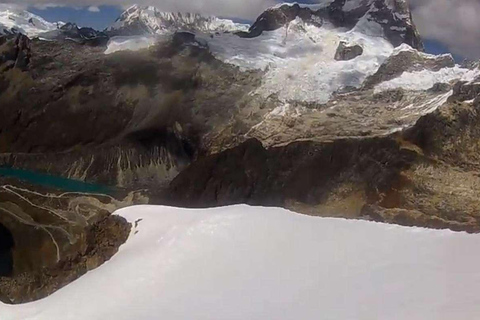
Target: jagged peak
138,20
393,17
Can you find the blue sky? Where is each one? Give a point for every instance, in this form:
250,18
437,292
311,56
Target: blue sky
81,16
108,14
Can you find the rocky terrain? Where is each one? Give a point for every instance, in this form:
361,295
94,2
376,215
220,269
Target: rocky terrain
331,109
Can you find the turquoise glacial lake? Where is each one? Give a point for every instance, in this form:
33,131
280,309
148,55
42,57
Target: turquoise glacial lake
57,182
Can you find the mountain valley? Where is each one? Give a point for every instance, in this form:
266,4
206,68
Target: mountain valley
329,110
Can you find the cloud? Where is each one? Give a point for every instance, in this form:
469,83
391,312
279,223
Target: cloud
94,9
245,9
455,23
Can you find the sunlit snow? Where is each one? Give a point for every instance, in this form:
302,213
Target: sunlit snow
24,22
250,263
425,79
299,59
130,43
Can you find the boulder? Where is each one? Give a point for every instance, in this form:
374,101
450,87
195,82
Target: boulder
346,52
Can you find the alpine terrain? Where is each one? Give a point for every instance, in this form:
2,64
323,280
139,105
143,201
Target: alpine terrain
331,110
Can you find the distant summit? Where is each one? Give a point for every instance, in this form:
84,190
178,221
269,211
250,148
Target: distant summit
19,21
138,20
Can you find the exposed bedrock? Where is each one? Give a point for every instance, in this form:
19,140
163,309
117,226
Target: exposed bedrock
122,119
346,52
427,176
408,61
307,172
52,238
119,166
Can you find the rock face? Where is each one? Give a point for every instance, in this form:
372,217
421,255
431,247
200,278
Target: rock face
50,238
6,246
81,88
71,32
395,19
15,52
305,172
13,21
188,124
426,176
346,52
407,60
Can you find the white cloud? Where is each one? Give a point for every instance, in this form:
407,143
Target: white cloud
94,9
455,23
247,9
45,6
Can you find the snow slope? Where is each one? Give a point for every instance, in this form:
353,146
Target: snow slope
23,21
243,262
299,59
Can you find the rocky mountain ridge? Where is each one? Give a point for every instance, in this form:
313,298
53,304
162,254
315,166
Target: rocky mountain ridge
269,116
392,16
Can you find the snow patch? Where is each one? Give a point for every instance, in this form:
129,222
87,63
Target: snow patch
133,43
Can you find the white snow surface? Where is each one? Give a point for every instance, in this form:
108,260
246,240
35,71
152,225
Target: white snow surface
300,62
24,22
320,4
130,43
251,263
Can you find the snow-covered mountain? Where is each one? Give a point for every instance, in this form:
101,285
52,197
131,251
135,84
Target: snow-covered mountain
299,47
266,263
391,19
138,20
14,20
330,109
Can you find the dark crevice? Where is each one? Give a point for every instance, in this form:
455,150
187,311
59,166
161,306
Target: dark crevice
6,257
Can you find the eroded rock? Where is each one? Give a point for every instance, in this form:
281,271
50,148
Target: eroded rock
408,61
56,238
346,52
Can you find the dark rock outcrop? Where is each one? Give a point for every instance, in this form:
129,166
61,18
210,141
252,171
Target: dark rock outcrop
346,52
84,36
52,238
306,172
273,19
425,176
15,52
463,91
62,109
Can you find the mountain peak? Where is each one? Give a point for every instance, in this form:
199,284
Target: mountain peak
140,20
391,19
20,21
